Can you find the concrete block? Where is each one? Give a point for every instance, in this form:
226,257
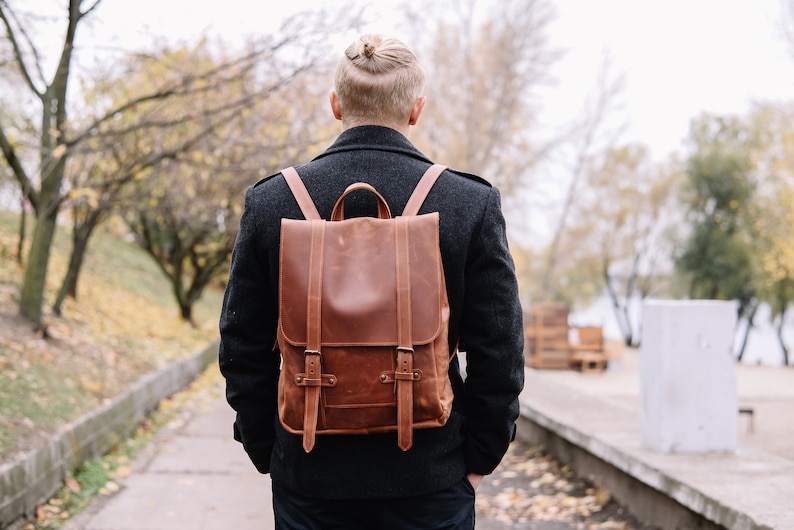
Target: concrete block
688,391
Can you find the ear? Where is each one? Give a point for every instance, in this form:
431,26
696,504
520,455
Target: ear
419,104
335,105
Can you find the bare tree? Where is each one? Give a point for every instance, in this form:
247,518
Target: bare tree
587,142
42,190
621,231
59,138
485,68
125,150
185,213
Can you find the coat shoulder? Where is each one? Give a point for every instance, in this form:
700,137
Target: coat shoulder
469,176
266,179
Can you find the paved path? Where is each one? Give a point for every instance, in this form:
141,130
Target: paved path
194,477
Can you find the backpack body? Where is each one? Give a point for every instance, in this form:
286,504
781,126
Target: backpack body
363,320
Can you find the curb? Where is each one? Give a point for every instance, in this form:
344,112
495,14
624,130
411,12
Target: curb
27,483
658,498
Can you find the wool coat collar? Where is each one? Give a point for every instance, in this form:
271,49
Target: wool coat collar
374,137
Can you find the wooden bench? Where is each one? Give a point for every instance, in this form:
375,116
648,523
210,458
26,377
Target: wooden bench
589,361
586,345
750,412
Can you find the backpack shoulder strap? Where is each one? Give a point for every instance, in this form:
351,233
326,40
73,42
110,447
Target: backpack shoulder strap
301,194
423,188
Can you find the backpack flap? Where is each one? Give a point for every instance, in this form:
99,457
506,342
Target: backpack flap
359,281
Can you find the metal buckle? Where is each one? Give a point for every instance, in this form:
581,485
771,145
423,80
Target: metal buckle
318,353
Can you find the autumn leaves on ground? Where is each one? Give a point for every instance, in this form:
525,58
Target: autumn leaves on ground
123,324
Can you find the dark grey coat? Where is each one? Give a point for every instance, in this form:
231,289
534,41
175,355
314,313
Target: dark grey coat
485,317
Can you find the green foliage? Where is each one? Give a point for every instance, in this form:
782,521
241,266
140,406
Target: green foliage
719,258
92,476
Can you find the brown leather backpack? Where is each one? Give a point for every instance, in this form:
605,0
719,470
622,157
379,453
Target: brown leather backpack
363,319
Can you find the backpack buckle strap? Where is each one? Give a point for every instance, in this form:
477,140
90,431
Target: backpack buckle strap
404,376
325,380
313,373
389,377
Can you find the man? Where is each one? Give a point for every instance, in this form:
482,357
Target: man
366,481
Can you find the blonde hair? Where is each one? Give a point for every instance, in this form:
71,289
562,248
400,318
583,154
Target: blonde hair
378,81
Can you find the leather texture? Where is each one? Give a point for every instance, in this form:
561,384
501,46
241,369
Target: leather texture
363,320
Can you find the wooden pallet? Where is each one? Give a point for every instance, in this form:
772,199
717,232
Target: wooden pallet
546,336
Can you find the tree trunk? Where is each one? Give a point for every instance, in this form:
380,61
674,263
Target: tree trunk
35,280
779,332
69,284
184,301
186,311
52,156
80,236
23,227
32,299
750,324
620,310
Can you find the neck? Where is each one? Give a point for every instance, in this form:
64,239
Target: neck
347,124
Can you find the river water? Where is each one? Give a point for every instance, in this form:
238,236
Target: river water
762,348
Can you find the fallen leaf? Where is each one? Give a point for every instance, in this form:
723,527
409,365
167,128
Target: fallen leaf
72,484
45,511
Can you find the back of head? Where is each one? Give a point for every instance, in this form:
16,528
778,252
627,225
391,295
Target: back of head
377,81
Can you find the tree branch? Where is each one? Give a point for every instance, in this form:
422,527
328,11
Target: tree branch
183,88
87,11
12,37
19,171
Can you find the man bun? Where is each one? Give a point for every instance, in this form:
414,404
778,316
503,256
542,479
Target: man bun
378,80
369,49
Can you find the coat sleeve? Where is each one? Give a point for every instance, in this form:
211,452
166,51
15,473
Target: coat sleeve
493,340
247,358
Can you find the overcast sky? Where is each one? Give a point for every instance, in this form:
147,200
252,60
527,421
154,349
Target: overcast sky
680,57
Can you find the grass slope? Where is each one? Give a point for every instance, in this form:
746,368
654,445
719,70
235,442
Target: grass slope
124,324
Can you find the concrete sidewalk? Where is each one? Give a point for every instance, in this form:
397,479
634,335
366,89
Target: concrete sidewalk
599,414
193,477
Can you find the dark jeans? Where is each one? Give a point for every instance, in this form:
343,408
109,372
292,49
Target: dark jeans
449,509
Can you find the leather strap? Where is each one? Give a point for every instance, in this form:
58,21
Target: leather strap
312,408
338,213
405,398
422,189
301,194
312,355
404,368
312,378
